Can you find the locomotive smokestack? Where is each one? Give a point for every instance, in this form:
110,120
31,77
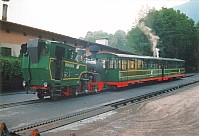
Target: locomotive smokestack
94,49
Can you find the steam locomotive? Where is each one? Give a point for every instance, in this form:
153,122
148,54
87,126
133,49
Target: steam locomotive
55,69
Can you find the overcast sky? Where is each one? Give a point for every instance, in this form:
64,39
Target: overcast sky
76,17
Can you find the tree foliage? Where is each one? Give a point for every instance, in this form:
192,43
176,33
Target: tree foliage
178,36
117,40
138,42
93,36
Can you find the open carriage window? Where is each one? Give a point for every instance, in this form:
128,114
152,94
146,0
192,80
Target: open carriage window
112,64
131,64
124,64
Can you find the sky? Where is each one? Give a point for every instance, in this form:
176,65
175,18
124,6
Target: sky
76,17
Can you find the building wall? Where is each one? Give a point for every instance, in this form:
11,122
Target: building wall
14,36
13,40
15,49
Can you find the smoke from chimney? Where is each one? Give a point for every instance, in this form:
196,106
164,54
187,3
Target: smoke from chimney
152,37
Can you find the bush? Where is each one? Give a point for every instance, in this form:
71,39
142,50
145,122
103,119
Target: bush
10,71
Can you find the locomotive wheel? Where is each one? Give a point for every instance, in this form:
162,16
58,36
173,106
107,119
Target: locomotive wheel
74,91
54,98
40,96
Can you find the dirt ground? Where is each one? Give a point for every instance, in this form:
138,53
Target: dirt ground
175,115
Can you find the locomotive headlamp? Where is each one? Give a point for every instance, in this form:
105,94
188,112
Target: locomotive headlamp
24,83
45,84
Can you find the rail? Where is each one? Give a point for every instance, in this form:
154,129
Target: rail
68,119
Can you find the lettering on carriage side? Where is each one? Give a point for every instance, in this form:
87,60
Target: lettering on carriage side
69,65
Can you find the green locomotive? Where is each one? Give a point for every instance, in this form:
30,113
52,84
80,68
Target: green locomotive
55,69
52,69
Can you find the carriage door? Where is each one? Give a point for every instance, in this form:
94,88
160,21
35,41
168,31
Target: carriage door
163,67
59,55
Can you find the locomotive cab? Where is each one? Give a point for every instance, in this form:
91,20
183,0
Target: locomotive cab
52,69
36,49
34,65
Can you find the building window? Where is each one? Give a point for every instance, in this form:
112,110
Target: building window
7,31
24,34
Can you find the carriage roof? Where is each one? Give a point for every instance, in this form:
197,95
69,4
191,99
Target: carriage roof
114,55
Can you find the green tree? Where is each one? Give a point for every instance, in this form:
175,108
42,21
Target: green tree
118,40
177,34
138,42
93,36
197,33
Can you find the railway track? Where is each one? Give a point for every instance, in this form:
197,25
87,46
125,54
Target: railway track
71,118
14,104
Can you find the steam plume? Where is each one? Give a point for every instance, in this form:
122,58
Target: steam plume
152,37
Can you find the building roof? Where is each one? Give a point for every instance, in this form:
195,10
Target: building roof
27,30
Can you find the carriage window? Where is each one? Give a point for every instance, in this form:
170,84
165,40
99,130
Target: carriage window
112,64
173,65
150,64
103,61
159,65
115,64
166,64
180,64
131,64
155,65
124,65
145,64
136,63
120,64
170,65
140,63
177,64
